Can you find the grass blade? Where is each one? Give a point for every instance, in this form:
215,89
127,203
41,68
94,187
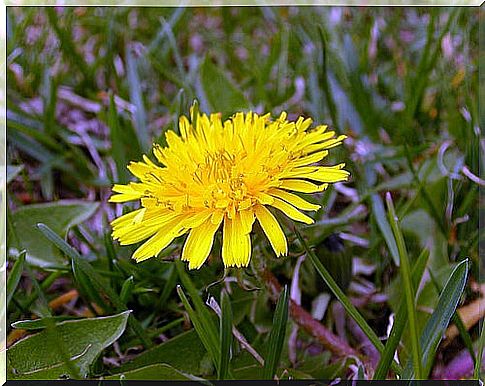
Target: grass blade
199,305
127,290
324,77
465,336
456,319
68,46
58,241
168,288
225,334
88,290
83,267
408,286
117,147
277,336
136,97
380,216
202,329
14,276
400,320
207,329
436,325
346,303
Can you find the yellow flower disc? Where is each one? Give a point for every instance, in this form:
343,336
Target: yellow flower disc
225,173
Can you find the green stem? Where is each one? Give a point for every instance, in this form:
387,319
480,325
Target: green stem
408,286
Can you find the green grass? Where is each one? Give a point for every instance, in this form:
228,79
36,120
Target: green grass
90,89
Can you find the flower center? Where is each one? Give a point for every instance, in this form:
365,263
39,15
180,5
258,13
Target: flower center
224,183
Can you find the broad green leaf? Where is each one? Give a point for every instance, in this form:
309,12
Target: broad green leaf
39,356
422,225
157,372
434,329
277,336
223,96
39,324
185,352
59,216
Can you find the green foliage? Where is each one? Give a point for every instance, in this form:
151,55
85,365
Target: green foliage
185,352
225,336
59,216
90,89
223,96
14,276
155,373
434,328
346,303
39,356
277,336
401,319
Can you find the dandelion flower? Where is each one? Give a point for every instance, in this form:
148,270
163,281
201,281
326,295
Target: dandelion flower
225,174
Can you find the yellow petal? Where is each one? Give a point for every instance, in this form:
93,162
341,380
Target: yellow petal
315,137
302,186
236,246
157,217
291,211
153,246
264,199
126,219
139,217
143,225
217,217
227,241
309,159
123,197
293,199
196,219
134,233
272,229
329,174
128,193
184,127
324,145
199,244
247,220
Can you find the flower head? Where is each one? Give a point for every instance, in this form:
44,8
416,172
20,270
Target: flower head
225,174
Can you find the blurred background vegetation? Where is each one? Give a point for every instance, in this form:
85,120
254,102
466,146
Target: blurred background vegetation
91,88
